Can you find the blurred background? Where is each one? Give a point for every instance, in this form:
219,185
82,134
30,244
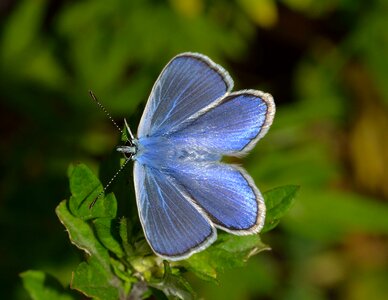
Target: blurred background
325,63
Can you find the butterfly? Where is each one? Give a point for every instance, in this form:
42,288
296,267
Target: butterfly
183,190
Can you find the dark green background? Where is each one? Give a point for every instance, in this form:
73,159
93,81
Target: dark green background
325,63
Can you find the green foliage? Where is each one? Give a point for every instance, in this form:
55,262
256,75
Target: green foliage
227,252
324,62
42,286
95,280
278,201
115,267
349,213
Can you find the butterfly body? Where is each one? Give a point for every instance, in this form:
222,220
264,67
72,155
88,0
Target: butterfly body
183,190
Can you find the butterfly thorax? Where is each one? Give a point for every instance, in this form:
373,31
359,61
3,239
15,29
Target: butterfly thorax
163,151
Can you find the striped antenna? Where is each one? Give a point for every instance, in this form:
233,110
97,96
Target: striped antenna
106,112
124,134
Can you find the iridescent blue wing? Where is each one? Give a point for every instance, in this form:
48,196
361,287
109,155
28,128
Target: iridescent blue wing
230,126
188,83
226,193
173,226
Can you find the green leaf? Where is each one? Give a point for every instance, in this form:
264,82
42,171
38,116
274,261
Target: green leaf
105,234
335,214
81,235
128,248
22,30
91,279
85,187
227,252
96,277
173,286
124,274
133,241
42,286
278,201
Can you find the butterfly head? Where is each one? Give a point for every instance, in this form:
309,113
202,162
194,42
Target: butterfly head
128,150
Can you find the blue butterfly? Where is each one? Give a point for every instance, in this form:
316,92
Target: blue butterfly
183,191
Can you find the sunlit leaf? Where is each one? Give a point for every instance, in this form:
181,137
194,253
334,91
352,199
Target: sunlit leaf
229,251
91,279
278,201
105,230
85,188
82,235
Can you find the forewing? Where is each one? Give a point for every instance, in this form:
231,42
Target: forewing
226,193
231,126
188,83
172,225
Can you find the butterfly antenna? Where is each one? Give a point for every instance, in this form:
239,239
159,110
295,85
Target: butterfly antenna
93,96
109,183
105,111
129,130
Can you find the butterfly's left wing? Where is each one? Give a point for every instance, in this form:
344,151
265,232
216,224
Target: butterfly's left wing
173,225
230,126
189,82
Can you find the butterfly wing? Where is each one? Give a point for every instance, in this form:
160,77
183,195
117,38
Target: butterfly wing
231,125
226,193
188,83
172,225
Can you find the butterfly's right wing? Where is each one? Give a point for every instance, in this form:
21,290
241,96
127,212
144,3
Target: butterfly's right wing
188,83
226,193
232,125
174,227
